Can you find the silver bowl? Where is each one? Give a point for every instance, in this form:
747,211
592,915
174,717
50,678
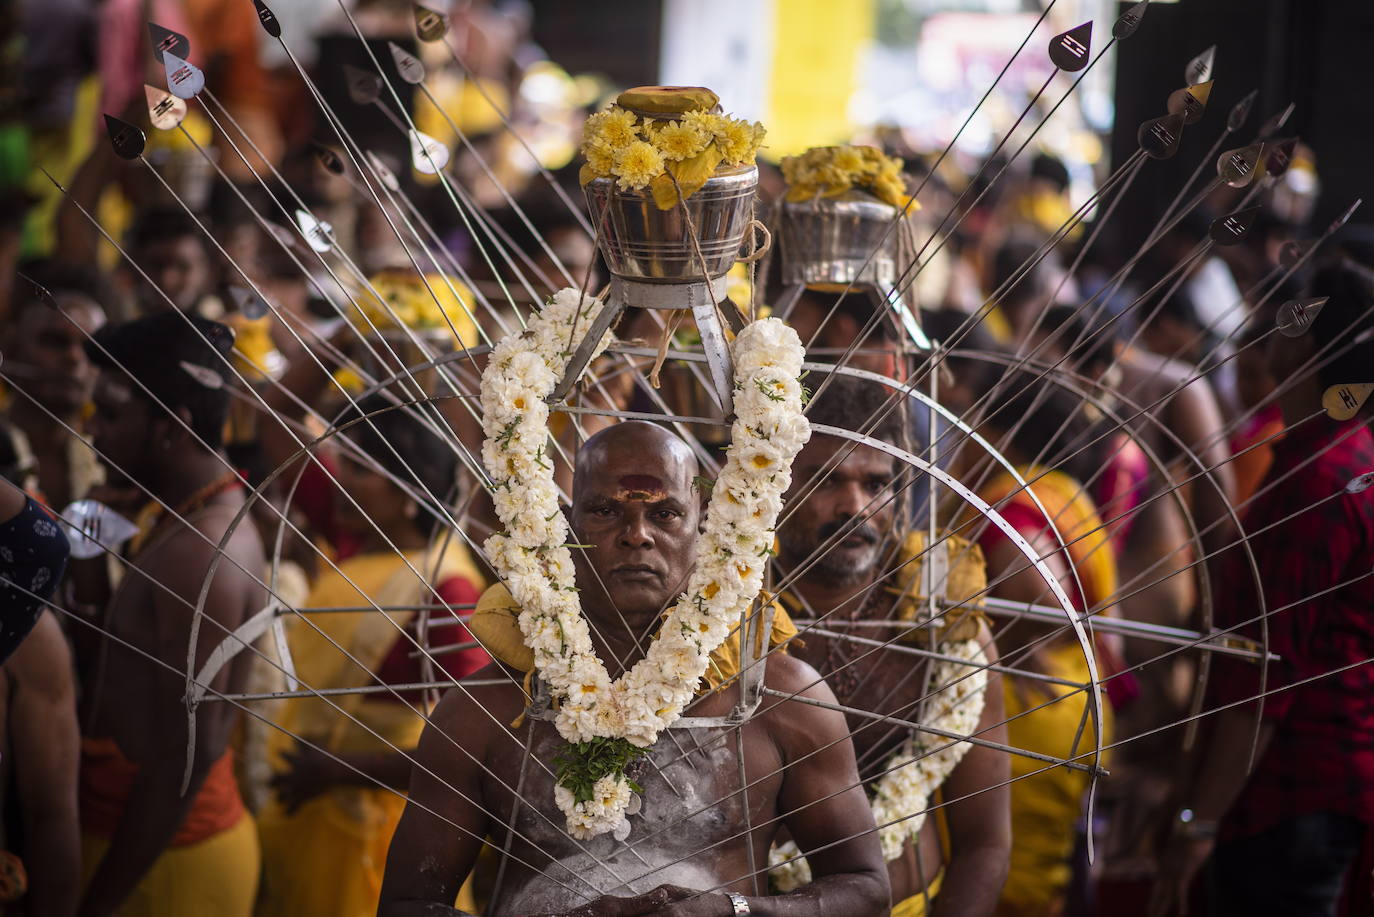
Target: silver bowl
648,245
839,240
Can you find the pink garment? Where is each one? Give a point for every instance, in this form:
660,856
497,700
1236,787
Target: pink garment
124,58
1121,487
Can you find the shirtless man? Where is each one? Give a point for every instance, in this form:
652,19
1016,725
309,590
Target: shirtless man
634,504
150,849
857,497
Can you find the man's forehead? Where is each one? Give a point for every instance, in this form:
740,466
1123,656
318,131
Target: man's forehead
822,449
643,476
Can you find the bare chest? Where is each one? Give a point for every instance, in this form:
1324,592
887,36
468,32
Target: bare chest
692,828
883,681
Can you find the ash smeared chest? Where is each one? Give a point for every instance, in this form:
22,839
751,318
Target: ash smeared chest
684,833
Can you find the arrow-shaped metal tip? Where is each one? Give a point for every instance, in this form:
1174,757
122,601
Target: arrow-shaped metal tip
1275,122
126,139
1240,112
1199,69
1069,50
1129,21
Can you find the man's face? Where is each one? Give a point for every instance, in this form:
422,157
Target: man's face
50,344
854,500
181,267
121,428
638,512
816,327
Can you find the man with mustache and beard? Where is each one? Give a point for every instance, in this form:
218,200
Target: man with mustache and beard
838,554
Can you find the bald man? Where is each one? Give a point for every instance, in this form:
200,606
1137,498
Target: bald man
691,845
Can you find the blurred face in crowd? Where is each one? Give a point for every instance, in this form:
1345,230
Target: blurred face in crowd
178,265
851,503
49,342
125,429
817,327
380,503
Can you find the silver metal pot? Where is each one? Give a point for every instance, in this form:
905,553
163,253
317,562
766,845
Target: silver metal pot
839,240
647,245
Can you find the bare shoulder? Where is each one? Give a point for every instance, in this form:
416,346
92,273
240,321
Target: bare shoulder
803,717
214,542
793,676
42,664
480,707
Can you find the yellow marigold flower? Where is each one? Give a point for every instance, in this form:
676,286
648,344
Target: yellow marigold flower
850,160
599,157
619,128
636,165
678,140
707,122
736,141
892,190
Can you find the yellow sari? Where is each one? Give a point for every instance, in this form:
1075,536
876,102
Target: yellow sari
328,858
1046,807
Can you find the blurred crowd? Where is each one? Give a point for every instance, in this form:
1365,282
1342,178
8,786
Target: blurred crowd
227,315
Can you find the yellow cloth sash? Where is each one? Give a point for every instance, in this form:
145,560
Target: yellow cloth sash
216,877
962,584
918,904
1073,514
495,624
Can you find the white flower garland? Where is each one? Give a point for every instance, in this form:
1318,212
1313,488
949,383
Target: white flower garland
533,559
899,799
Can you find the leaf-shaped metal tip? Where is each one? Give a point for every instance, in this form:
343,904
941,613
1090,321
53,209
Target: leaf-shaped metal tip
327,157
1190,102
407,64
364,87
430,25
427,155
1360,483
1240,112
1232,228
165,110
184,79
1237,167
1069,50
1343,402
126,139
1297,315
164,40
268,19
1291,254
1199,69
1278,156
1129,21
383,172
1276,122
1159,137
1345,217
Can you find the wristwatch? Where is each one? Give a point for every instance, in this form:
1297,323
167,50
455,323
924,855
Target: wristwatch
739,902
